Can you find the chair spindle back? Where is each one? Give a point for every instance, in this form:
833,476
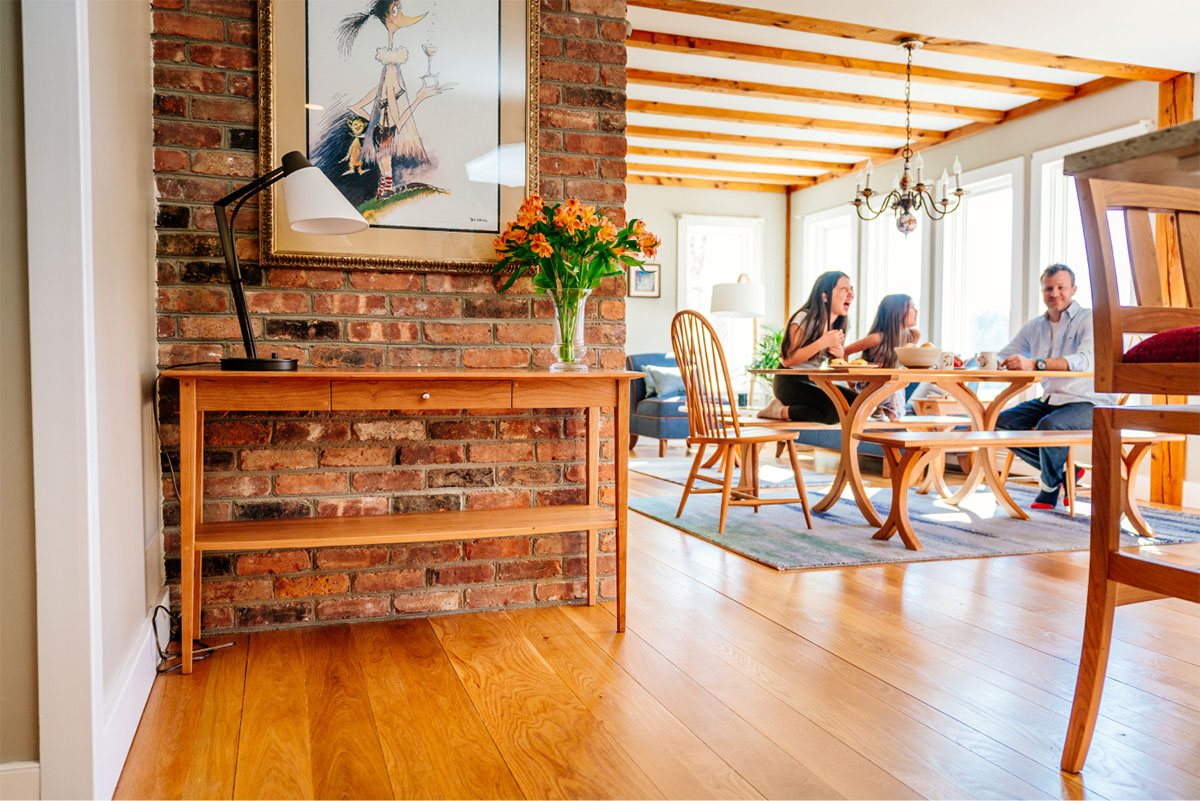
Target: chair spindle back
710,400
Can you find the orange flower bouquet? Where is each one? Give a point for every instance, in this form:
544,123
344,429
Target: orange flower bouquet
570,249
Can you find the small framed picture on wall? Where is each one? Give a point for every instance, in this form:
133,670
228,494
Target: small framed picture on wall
643,281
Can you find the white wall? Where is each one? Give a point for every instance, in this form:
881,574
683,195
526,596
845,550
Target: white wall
648,320
91,279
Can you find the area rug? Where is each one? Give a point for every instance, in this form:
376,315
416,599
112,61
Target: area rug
777,537
676,471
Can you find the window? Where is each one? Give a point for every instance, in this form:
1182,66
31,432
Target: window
977,307
891,265
1058,237
830,243
716,250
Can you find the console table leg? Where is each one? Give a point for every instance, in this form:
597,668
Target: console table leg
621,478
189,505
592,419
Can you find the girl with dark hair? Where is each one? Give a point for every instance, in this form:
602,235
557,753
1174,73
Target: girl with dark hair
894,327
816,332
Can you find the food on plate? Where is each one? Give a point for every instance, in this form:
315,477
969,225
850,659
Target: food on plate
958,362
928,345
859,363
838,361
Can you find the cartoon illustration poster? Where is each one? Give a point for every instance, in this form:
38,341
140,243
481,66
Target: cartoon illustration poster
403,100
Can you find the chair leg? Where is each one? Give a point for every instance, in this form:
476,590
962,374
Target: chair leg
791,449
633,438
662,448
1070,482
779,446
691,479
754,474
1093,662
726,487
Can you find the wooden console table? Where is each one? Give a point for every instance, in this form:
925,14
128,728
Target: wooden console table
210,390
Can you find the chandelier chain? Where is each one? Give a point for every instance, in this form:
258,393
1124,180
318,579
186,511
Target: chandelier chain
907,153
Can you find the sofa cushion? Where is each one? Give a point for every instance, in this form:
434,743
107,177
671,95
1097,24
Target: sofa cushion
663,381
1176,345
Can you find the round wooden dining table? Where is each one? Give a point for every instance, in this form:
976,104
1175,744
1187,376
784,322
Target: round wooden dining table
882,382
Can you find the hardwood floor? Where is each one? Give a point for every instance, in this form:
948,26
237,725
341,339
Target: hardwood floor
947,679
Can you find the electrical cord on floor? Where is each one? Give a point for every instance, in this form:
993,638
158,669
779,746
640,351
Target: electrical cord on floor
200,649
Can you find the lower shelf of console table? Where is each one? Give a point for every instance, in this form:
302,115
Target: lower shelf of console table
319,532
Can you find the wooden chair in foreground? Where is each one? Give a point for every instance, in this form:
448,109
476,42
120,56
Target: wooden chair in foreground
1166,363
709,399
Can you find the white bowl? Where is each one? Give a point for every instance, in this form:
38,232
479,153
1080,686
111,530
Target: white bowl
914,356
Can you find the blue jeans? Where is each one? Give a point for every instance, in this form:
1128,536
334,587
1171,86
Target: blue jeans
1037,415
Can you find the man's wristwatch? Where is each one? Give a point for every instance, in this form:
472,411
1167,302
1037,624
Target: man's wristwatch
1040,364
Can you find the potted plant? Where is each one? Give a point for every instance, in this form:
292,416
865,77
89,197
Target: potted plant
767,352
569,249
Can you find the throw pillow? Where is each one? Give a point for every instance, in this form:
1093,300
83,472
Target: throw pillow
667,380
651,390
1176,345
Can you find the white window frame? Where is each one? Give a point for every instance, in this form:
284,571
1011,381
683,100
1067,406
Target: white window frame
1044,247
685,221
809,265
871,234
1015,169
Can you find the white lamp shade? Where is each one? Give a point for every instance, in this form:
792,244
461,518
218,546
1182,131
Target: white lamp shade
315,206
738,300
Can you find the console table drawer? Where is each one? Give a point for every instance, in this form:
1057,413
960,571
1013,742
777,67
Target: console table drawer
262,394
558,394
416,395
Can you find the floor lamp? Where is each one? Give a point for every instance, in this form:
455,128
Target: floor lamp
313,205
742,298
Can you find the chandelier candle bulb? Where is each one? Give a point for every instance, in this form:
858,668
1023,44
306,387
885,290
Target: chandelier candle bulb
920,167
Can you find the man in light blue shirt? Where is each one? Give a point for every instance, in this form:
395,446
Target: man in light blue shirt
1060,339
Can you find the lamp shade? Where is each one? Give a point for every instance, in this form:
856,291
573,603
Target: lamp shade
315,206
741,299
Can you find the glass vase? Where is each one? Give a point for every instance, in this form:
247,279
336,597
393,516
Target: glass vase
569,347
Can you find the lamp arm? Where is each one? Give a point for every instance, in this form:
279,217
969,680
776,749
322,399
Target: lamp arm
225,230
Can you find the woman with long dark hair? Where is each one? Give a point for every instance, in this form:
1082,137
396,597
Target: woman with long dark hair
894,327
816,332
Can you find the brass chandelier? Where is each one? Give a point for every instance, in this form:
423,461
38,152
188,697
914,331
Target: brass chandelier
910,194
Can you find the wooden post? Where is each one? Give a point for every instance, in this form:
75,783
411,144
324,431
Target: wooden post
1168,459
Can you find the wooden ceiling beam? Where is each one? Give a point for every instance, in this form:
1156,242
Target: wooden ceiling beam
743,175
678,134
697,183
789,120
672,80
1089,88
959,47
739,158
779,56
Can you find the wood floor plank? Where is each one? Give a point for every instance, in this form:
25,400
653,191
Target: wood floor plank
274,759
213,762
433,739
679,763
770,770
347,761
552,743
825,687
162,746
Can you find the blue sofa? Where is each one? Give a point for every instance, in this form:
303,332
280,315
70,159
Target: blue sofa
654,416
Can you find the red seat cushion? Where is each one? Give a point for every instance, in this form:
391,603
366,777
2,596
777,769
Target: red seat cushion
1176,345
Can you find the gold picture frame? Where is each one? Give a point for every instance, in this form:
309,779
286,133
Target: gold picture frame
457,241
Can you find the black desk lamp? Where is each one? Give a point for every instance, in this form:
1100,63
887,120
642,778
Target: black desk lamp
313,206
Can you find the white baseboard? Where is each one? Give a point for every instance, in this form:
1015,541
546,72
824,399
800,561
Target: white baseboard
20,780
123,708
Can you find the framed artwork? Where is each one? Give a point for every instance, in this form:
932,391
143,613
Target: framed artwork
423,113
643,281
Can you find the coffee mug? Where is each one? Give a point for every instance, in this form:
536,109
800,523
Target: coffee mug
988,360
947,360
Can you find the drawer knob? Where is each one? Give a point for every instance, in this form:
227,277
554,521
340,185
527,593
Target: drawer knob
424,396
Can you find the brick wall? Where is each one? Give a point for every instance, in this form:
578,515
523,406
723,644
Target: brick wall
263,466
